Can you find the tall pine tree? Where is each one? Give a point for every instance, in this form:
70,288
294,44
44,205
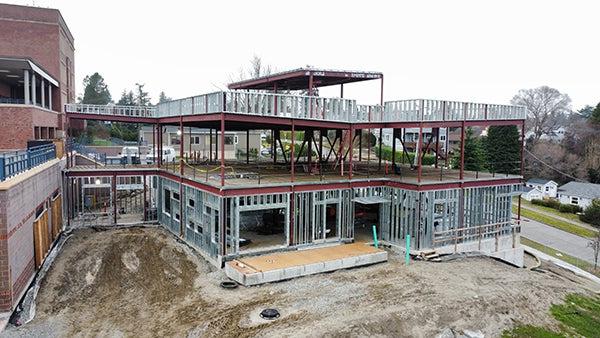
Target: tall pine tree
95,90
503,149
474,153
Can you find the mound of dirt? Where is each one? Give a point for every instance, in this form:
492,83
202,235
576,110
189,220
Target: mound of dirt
143,282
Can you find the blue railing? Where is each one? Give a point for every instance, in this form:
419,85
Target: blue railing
13,163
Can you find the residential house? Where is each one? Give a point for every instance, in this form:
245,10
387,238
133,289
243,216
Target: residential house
530,193
546,187
578,193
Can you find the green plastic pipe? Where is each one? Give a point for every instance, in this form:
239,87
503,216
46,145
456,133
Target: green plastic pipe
375,241
407,250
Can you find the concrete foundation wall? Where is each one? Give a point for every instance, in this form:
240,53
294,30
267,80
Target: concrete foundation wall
20,197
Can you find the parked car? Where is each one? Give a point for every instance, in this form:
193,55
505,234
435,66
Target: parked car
168,154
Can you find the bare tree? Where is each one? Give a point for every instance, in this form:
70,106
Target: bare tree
553,161
547,109
595,245
255,69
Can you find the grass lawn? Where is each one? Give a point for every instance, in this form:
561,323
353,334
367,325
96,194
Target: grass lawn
579,316
553,211
561,255
101,143
556,223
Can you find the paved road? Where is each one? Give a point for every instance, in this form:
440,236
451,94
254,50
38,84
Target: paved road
560,240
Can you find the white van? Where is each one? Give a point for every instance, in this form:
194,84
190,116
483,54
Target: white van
168,154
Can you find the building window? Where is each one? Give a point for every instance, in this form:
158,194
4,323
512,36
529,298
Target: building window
177,217
191,202
229,140
575,200
195,140
176,196
547,188
175,139
443,138
191,225
167,202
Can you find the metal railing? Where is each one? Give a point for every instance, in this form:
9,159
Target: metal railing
312,107
13,163
437,110
128,111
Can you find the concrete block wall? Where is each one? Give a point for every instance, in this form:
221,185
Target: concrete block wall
20,197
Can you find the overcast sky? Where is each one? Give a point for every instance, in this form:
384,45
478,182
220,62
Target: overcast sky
483,51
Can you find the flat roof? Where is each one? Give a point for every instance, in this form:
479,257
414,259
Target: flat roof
298,79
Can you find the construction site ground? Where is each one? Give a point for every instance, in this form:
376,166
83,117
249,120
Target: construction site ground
143,282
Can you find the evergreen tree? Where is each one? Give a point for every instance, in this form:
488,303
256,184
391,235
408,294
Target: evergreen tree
127,99
474,153
141,97
595,116
162,97
95,90
503,149
125,131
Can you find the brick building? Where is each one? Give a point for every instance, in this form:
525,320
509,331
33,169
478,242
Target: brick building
36,81
36,74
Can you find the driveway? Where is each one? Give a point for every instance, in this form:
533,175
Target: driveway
557,239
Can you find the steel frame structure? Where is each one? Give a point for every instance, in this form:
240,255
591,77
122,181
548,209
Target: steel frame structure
211,221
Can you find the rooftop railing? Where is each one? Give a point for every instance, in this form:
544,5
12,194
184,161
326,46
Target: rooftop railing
438,110
128,111
312,107
16,162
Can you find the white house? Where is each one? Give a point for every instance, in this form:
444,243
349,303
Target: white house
530,193
411,137
578,193
548,188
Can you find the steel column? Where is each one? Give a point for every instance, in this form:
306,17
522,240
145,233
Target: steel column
114,199
222,150
145,204
380,144
393,147
247,146
351,149
181,144
462,150
418,153
292,146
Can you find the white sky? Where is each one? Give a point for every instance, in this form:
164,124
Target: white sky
483,51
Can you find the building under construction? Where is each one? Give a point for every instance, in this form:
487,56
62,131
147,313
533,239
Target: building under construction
322,180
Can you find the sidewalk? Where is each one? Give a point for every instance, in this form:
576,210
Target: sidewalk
563,264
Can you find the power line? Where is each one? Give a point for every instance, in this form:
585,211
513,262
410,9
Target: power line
553,168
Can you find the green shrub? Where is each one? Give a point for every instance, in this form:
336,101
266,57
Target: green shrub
569,208
591,214
554,204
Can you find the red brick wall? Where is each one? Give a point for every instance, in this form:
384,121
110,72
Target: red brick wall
41,35
17,124
18,204
31,32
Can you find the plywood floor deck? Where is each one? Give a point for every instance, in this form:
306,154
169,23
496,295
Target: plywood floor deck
305,257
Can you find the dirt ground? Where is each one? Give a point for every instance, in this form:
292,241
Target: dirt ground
142,282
